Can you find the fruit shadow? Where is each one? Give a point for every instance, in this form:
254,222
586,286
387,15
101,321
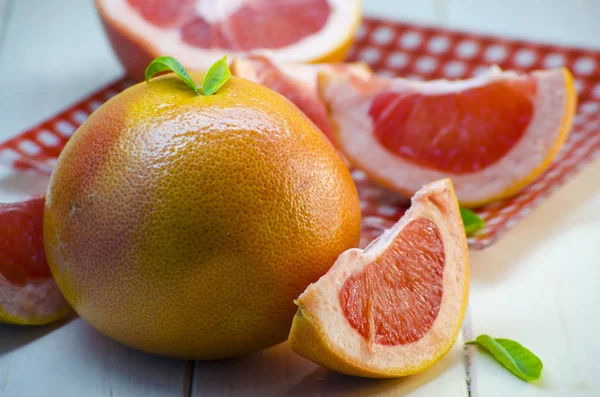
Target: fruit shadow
552,216
279,371
121,367
13,337
322,382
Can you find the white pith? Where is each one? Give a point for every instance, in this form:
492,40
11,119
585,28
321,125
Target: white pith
350,105
217,11
342,21
35,300
320,301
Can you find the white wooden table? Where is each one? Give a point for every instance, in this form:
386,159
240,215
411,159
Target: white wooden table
539,285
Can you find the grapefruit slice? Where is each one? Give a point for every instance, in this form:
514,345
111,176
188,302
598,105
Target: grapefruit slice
492,134
198,32
297,82
395,308
28,293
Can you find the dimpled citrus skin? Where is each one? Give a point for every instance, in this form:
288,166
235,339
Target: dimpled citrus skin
185,225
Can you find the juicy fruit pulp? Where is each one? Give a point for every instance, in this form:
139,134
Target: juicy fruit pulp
199,32
22,256
185,225
224,24
455,132
411,273
493,134
28,294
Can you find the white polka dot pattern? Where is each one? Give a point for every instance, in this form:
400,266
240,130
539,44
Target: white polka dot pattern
416,53
411,40
438,44
370,55
495,53
397,60
383,35
454,69
467,49
525,57
423,53
554,60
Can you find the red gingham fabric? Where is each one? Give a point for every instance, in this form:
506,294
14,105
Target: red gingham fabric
415,52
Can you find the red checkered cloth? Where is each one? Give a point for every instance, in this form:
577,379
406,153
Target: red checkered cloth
414,52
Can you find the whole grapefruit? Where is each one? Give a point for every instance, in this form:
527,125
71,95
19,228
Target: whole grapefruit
186,225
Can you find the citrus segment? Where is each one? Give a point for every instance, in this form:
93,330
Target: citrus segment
198,32
22,242
455,132
410,272
396,307
275,23
492,134
28,294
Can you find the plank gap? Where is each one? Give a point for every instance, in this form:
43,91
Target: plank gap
6,9
188,378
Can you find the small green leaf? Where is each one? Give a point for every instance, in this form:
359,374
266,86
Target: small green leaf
161,64
471,220
515,357
216,76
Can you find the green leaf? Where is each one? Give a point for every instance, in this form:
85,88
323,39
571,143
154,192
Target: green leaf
514,356
216,76
471,220
164,63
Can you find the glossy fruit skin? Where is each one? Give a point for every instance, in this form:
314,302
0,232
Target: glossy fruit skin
185,225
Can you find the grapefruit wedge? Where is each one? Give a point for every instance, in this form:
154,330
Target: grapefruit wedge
395,308
297,82
198,32
492,134
28,293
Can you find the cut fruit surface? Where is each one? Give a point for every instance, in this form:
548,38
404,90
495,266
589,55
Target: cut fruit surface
28,293
395,308
198,32
413,288
492,134
297,82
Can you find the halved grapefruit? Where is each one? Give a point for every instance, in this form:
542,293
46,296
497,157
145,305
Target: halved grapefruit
297,82
28,293
395,308
198,32
492,134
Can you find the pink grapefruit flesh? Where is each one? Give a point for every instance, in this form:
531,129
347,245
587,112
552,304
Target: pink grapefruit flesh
411,271
274,23
28,293
455,132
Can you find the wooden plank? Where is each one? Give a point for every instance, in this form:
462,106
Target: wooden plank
53,53
73,360
425,11
5,12
556,21
540,285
